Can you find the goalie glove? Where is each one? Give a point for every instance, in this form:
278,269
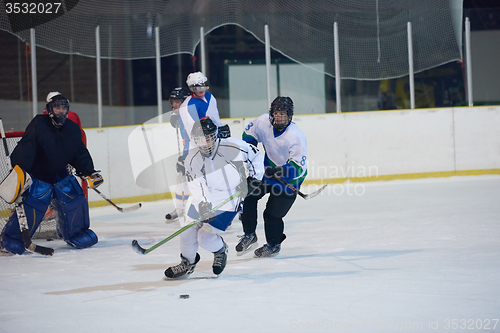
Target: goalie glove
205,211
94,180
15,184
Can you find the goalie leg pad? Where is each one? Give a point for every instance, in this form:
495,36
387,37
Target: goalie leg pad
16,182
73,209
35,205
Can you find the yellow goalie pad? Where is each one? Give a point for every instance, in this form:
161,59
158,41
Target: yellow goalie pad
16,182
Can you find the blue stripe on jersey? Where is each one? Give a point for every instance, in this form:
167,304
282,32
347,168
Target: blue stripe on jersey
198,108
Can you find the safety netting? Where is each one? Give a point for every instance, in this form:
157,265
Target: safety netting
372,34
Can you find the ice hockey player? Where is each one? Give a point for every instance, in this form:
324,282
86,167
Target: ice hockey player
177,96
200,104
49,144
285,157
215,171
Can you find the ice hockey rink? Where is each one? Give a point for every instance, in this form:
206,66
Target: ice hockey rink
403,255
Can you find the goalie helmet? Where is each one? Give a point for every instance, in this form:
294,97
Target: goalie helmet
197,82
61,105
204,134
179,94
280,122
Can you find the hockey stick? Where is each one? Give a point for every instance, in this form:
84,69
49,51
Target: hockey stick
305,196
137,248
120,209
72,170
21,215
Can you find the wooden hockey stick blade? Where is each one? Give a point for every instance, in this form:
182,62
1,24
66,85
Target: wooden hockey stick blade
305,196
120,209
137,248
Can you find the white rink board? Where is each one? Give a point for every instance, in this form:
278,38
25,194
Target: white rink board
345,145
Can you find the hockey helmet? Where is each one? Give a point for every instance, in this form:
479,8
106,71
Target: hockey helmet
281,104
204,134
179,94
197,82
55,100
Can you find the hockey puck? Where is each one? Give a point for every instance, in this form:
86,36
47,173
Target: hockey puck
168,217
183,296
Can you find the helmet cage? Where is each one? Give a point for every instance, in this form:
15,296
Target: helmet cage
204,135
56,101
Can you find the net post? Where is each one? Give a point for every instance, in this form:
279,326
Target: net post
468,62
268,62
337,65
33,71
158,74
98,69
410,67
202,51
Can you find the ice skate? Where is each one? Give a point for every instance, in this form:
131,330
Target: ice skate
220,259
267,251
182,269
246,243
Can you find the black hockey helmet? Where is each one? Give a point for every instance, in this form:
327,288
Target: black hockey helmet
56,99
179,94
281,104
204,134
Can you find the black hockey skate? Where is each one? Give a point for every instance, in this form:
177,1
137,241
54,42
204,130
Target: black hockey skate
267,251
171,217
184,268
246,243
220,259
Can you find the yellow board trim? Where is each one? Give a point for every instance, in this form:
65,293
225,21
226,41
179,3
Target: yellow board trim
421,175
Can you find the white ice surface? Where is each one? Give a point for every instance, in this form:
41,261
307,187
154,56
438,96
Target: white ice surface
406,255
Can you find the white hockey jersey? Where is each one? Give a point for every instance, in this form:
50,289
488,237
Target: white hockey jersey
193,109
287,148
215,178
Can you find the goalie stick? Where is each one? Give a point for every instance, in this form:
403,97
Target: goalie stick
305,196
120,209
72,170
137,248
21,215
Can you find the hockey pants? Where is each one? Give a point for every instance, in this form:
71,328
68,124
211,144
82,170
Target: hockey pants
72,209
277,206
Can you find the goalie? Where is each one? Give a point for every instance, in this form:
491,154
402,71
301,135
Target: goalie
49,144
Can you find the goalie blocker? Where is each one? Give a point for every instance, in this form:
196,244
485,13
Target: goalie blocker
15,184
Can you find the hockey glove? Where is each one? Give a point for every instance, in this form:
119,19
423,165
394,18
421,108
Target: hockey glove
224,132
279,171
174,119
94,180
180,165
206,213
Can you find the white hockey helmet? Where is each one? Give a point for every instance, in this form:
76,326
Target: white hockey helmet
197,82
